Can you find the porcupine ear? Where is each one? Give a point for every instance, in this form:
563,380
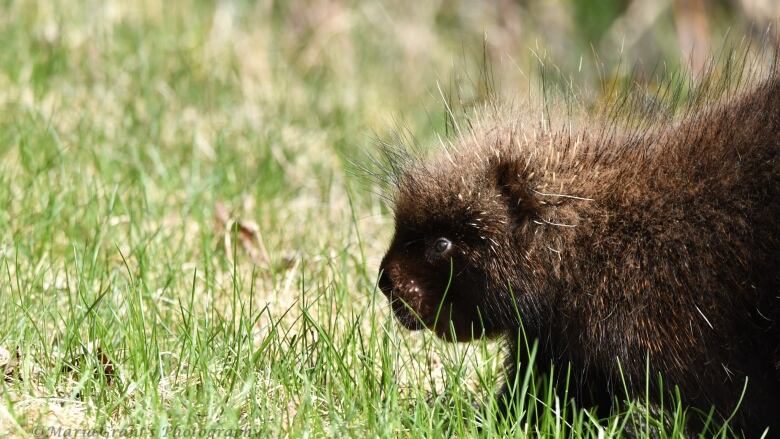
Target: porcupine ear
510,177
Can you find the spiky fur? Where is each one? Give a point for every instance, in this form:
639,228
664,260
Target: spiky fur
638,235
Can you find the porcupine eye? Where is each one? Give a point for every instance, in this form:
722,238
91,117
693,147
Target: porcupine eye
441,246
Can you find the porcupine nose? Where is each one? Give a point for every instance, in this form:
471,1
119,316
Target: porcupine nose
385,283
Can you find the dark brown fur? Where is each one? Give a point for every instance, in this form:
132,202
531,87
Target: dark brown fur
612,242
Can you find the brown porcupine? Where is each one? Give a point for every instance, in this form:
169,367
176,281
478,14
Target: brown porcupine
616,241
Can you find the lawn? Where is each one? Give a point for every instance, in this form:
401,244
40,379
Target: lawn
186,246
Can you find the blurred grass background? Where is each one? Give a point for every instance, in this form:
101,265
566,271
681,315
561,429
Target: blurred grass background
181,243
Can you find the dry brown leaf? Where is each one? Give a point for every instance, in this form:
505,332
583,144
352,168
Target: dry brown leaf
247,234
107,364
8,362
92,349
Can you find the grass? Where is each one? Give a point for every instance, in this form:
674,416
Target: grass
183,248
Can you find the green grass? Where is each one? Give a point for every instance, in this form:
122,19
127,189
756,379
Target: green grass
128,302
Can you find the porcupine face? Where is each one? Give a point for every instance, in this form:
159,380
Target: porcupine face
452,259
